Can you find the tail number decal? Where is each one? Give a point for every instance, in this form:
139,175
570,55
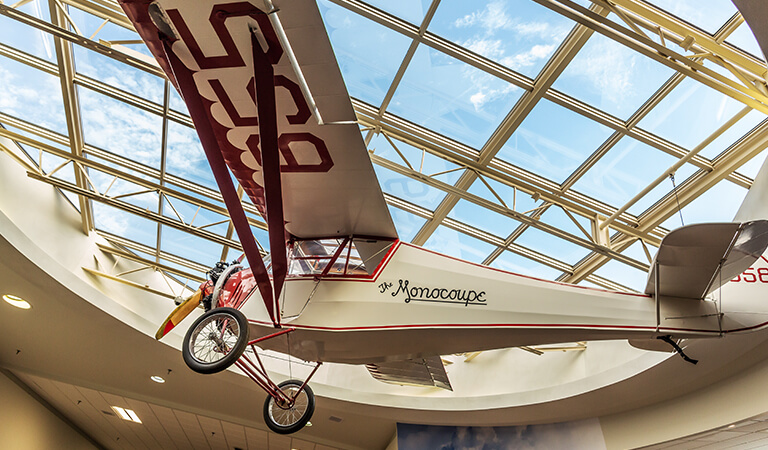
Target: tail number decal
753,275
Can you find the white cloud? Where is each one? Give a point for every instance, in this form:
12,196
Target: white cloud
609,68
529,58
492,18
477,99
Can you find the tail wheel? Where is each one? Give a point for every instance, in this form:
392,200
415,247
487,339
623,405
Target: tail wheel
284,419
216,340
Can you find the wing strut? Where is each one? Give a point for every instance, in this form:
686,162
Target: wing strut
193,99
264,76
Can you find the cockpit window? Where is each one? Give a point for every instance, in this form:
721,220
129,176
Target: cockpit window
337,256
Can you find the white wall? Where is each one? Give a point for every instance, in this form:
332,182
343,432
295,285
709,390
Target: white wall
27,424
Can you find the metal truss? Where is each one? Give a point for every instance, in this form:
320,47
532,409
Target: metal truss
690,52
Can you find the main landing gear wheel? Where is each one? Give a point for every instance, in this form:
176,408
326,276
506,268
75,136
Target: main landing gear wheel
286,420
215,340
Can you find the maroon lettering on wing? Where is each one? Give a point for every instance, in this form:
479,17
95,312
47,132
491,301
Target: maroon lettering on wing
218,16
229,107
303,115
292,165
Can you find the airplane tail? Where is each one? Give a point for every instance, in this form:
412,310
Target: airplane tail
755,204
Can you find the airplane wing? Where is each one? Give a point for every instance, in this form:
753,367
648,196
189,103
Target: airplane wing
755,14
329,187
413,372
694,260
268,101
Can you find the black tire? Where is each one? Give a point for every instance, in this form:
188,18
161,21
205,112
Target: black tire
215,340
290,420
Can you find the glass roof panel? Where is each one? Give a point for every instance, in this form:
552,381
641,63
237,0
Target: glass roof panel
745,40
555,216
515,200
185,157
512,262
636,252
725,194
552,246
120,128
611,77
98,30
662,189
690,113
52,162
26,38
407,224
189,246
733,134
459,245
176,103
421,161
408,10
623,274
751,167
553,141
355,39
202,216
122,76
518,35
32,95
483,219
408,189
452,97
127,225
708,15
627,168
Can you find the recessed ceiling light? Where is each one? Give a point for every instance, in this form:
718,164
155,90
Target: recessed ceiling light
16,301
157,379
126,414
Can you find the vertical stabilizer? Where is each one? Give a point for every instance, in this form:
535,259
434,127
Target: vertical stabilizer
755,204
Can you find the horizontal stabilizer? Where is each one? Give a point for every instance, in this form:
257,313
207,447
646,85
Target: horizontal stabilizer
696,259
414,372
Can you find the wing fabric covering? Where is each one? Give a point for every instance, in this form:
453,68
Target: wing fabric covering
755,14
697,259
330,187
308,179
414,372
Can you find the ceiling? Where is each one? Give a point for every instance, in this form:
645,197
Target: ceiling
537,137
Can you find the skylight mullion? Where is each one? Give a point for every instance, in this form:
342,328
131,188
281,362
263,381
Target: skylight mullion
554,67
28,59
498,170
66,67
744,150
63,33
457,194
163,156
651,16
408,57
664,55
438,43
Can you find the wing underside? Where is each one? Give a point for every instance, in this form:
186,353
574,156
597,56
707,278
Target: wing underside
329,187
428,371
697,259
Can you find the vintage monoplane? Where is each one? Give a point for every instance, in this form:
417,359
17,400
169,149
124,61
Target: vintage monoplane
265,93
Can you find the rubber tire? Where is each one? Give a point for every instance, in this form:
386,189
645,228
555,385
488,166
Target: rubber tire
230,358
299,424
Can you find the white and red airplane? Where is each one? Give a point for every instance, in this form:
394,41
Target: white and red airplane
267,98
